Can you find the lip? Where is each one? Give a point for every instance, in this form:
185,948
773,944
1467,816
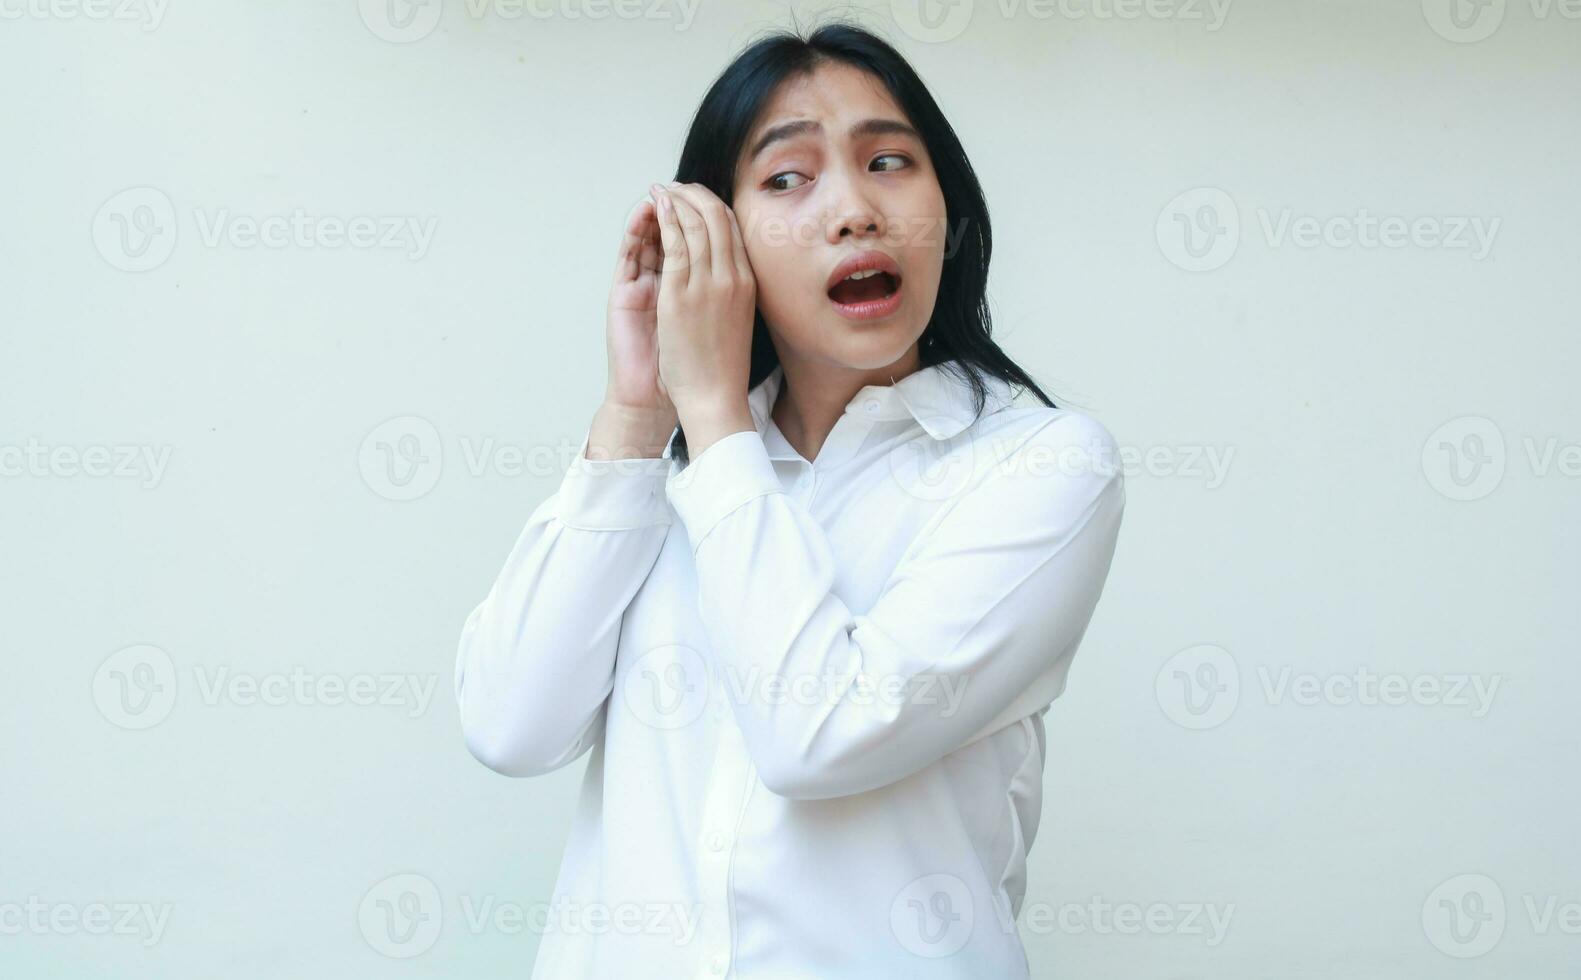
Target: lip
872,309
861,262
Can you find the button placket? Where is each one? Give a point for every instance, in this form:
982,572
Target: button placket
722,806
850,433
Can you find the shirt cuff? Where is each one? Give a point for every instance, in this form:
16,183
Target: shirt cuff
613,494
721,478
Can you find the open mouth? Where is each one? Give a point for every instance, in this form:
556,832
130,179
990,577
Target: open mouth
867,294
864,287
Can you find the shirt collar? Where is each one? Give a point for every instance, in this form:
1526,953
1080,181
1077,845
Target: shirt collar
939,400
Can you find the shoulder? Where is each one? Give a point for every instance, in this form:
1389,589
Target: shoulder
1039,436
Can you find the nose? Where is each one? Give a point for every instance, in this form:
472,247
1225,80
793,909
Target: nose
852,213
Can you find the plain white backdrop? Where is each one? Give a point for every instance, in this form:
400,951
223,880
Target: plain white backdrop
301,313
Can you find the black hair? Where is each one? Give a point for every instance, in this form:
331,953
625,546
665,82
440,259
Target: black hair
960,327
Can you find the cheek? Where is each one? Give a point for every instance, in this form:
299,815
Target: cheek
783,271
931,238
932,226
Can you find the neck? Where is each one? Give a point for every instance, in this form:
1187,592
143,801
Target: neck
814,393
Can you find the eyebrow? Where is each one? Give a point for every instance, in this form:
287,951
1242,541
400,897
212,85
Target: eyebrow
799,127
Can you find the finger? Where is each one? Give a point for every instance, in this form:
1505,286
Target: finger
672,239
651,258
694,228
739,246
720,257
650,254
628,259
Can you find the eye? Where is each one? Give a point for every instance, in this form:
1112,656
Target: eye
771,185
894,156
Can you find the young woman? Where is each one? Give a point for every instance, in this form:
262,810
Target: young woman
809,634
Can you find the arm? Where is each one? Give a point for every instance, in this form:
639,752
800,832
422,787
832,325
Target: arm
536,660
979,620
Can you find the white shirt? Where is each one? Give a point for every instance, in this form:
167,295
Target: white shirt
813,691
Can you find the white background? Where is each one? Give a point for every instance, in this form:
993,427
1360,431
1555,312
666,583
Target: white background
289,527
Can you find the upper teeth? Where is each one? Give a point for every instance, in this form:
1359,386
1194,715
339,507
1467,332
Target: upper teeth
865,274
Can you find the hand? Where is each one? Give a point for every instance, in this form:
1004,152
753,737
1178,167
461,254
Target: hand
707,297
631,320
636,418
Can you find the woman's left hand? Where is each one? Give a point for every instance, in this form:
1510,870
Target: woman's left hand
707,299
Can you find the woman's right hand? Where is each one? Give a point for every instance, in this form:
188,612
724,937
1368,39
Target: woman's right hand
637,416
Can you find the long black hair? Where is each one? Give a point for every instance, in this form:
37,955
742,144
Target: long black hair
960,328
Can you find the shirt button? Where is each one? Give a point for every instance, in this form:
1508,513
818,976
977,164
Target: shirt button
716,841
716,966
871,406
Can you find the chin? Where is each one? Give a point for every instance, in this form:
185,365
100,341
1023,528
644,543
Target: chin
868,347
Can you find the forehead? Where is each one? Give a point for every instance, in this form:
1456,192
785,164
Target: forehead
832,91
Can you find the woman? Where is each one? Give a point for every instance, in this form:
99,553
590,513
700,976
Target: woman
810,648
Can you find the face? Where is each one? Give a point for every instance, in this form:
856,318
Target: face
850,177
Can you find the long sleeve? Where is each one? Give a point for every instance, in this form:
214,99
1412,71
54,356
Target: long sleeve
974,628
536,659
